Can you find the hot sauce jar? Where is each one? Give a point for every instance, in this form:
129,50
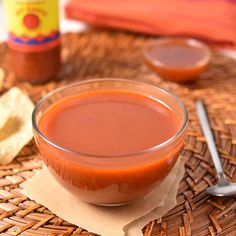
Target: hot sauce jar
34,38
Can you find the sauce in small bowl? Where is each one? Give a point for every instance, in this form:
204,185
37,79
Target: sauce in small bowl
110,141
177,59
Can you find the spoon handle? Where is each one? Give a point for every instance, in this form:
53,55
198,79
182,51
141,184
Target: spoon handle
202,115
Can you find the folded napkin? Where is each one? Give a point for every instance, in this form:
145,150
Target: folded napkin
211,20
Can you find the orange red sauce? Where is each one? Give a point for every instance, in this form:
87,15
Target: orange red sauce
110,123
36,67
103,129
178,59
177,55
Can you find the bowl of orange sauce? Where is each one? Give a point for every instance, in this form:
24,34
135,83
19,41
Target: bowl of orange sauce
177,59
110,141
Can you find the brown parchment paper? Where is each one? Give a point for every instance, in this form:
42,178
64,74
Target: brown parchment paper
105,221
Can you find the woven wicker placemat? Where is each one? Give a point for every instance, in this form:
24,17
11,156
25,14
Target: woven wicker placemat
97,54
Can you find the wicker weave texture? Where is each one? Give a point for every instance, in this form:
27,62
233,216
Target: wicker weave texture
97,54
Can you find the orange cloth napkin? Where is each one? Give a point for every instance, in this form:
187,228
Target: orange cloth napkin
210,20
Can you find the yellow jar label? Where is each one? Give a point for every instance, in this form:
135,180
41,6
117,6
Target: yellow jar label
32,25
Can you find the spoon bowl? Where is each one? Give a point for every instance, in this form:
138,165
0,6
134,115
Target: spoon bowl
227,190
223,187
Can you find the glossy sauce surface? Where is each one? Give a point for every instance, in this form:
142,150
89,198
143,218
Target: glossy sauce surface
177,59
177,55
110,126
108,123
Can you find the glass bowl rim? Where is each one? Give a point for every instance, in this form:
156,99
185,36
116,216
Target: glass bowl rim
180,131
189,41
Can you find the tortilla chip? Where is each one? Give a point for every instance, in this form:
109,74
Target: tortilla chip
17,131
4,116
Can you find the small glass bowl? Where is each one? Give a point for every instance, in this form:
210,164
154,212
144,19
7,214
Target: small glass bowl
115,180
177,73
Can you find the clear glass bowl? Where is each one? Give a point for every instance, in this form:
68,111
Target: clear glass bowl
179,73
116,180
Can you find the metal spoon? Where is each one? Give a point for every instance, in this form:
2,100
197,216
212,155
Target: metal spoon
223,187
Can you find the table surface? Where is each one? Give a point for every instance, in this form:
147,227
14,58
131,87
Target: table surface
96,57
